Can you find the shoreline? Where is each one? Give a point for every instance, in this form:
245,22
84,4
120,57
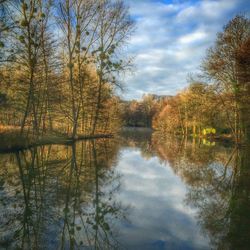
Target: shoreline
23,143
11,141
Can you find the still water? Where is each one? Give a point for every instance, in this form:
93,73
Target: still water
137,191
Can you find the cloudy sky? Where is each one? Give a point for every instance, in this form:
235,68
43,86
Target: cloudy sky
170,40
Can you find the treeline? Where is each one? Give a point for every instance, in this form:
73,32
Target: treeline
193,111
140,113
219,100
59,65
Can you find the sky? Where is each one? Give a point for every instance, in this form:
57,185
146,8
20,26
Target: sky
170,41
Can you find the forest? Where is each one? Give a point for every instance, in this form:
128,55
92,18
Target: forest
59,66
60,63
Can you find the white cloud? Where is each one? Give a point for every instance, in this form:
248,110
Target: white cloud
206,10
193,37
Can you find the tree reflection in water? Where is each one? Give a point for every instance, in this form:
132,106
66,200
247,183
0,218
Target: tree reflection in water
219,187
63,198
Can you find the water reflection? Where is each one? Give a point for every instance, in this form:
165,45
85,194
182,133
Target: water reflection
134,192
59,197
218,186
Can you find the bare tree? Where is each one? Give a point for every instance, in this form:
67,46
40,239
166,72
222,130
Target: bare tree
220,65
114,29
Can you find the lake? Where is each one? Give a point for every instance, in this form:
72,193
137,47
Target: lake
137,191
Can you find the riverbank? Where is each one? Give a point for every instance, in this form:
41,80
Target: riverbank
13,141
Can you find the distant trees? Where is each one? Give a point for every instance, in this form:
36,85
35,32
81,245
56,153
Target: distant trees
140,113
192,110
59,64
168,119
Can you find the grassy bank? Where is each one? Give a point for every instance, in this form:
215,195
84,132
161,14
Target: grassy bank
13,141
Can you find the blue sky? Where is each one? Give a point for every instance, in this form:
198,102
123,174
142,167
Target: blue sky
170,40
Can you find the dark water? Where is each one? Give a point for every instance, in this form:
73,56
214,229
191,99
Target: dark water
133,192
